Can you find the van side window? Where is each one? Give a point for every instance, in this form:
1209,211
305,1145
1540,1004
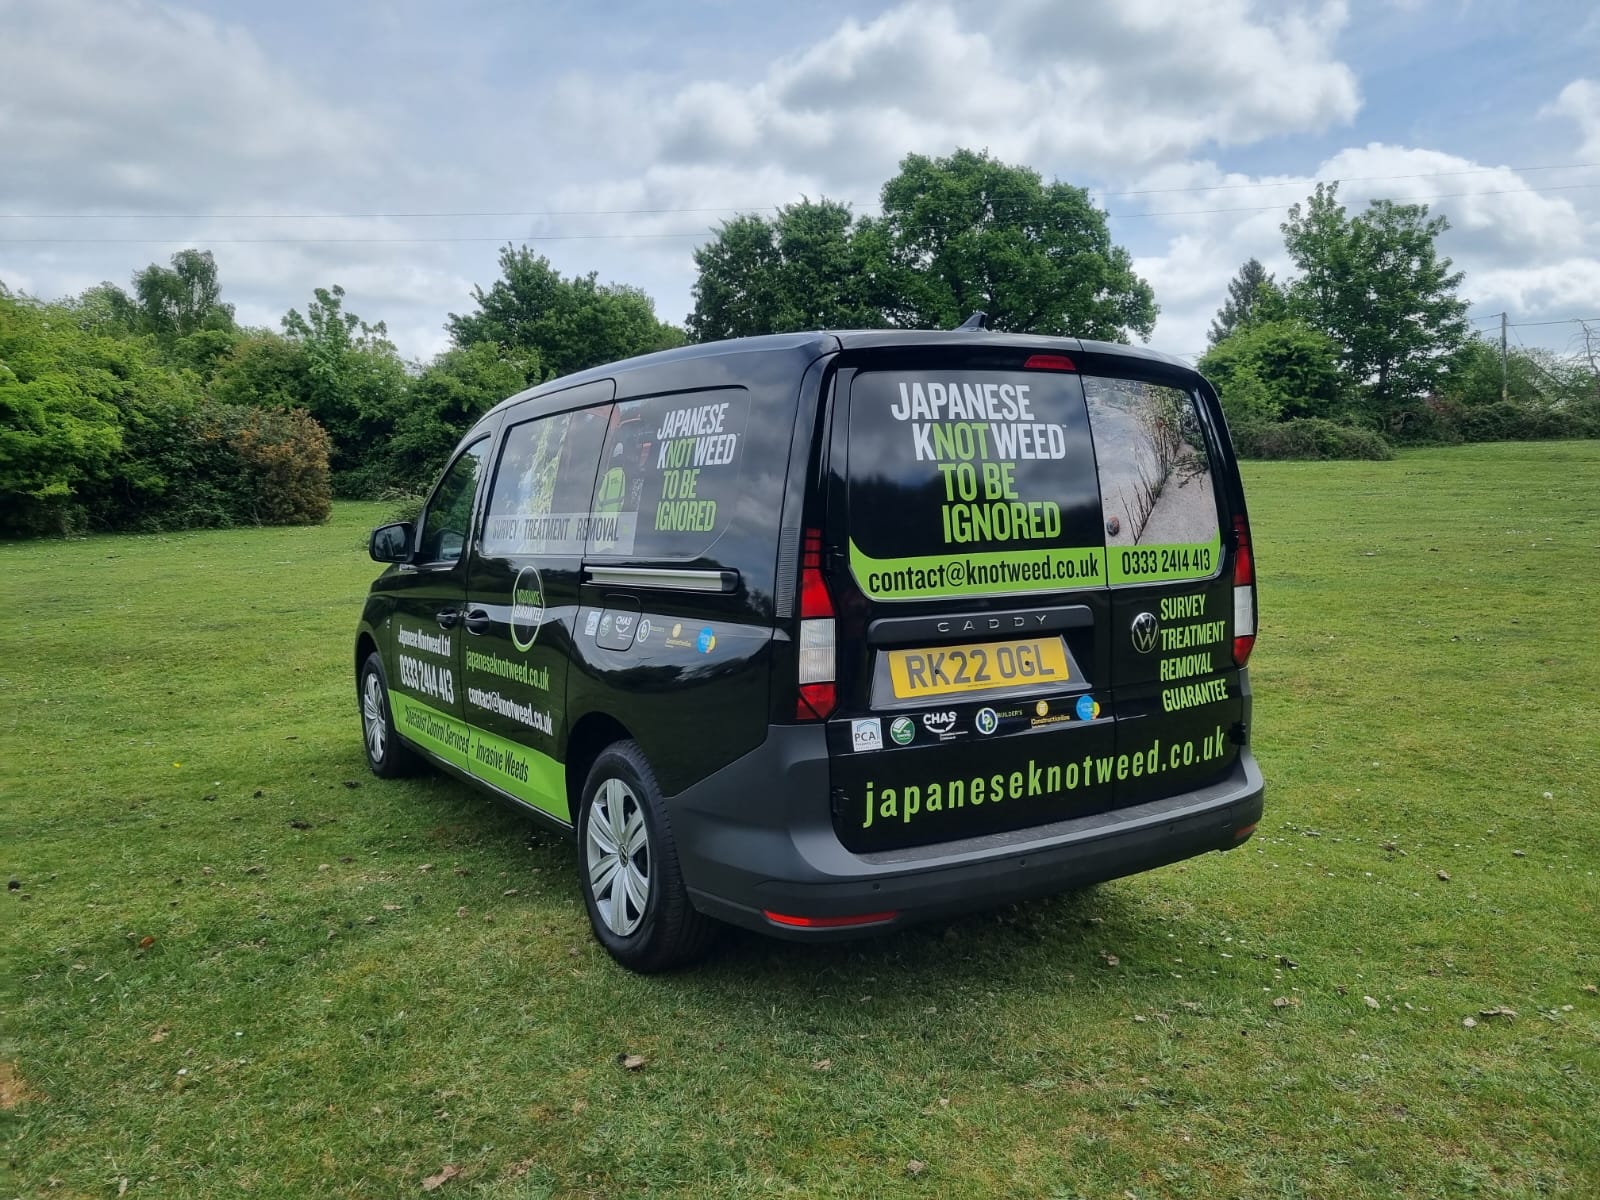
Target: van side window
1155,481
449,514
540,502
670,474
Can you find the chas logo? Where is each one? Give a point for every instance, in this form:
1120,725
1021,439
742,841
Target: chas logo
940,723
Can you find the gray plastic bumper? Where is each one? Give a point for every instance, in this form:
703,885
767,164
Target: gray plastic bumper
758,837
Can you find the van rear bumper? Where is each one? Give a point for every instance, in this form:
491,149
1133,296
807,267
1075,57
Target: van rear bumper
757,838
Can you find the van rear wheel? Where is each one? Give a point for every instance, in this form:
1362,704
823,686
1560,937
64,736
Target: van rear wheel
628,868
387,755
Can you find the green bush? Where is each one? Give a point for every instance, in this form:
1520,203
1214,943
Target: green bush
1309,438
1509,421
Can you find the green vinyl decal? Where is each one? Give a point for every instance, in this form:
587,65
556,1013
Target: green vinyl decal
995,572
1157,564
530,776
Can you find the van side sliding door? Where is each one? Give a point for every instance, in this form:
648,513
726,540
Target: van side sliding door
522,598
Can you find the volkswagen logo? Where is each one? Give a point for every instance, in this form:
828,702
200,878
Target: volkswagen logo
1145,632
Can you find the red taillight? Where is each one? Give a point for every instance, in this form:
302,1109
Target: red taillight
876,918
1048,362
817,697
1244,592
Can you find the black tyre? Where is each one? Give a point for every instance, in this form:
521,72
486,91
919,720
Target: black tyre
628,868
387,755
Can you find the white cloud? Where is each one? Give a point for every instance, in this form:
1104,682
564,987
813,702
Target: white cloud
144,106
1100,87
1521,249
1580,101
147,106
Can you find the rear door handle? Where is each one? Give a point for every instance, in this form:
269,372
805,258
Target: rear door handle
478,621
447,617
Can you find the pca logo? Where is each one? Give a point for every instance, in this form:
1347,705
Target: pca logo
1144,632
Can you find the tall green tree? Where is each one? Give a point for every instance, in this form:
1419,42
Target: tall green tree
457,388
569,324
176,301
59,421
1378,286
105,309
354,384
968,232
807,267
1252,294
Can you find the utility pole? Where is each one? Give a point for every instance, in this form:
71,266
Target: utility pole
1502,358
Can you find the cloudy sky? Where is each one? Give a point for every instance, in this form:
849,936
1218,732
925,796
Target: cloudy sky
393,147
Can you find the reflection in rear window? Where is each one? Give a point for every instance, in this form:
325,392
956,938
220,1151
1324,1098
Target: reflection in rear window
1155,481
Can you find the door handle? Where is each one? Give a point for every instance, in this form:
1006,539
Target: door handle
478,621
447,617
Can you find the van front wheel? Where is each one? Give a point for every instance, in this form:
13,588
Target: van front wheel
628,868
387,755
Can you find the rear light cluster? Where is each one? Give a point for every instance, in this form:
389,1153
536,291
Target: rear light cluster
817,696
1244,592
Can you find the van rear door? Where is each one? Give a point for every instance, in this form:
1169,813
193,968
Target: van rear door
1169,490
1005,529
975,627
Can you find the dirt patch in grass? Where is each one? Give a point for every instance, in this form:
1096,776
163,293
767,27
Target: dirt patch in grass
13,1090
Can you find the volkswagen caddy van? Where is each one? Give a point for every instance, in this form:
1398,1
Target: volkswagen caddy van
826,633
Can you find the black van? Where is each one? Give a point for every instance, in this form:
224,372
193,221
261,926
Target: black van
829,632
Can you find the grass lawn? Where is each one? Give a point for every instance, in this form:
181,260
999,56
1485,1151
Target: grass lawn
233,962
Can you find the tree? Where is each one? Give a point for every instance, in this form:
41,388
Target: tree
1376,284
104,309
804,268
968,232
182,300
569,324
1252,289
59,423
354,384
457,388
1276,370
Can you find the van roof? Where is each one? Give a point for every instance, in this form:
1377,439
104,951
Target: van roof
815,344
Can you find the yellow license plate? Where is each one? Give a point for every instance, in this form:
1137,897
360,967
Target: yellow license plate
943,670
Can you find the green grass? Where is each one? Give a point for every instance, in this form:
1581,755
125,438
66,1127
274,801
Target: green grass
353,983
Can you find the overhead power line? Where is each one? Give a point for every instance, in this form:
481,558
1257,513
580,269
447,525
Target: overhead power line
626,212
584,237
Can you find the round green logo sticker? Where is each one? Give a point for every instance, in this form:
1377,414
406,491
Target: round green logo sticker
902,731
527,608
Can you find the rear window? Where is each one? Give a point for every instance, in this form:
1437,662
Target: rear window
1155,482
971,482
670,474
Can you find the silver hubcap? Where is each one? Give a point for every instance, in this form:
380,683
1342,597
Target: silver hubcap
617,849
372,716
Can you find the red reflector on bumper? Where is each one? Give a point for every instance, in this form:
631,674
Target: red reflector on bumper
829,922
1243,832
